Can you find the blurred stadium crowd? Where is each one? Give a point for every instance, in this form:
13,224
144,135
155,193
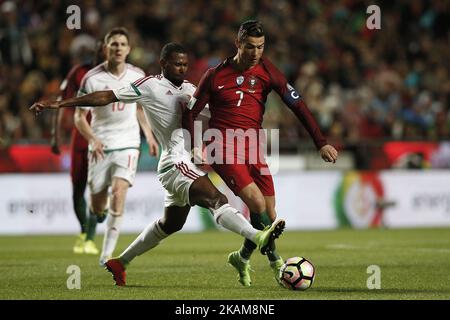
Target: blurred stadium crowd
361,84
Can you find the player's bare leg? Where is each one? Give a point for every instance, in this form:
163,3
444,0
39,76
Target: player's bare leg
275,260
253,196
99,205
203,193
97,212
119,189
240,260
262,214
172,221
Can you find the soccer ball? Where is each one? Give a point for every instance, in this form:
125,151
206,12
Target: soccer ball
297,273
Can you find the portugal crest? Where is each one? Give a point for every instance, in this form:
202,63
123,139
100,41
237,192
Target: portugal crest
240,80
252,81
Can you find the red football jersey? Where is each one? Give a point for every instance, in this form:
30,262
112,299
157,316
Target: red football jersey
69,89
237,99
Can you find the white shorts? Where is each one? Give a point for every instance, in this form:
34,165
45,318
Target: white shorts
177,180
120,164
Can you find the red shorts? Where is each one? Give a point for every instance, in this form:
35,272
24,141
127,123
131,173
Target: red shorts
79,159
247,163
238,176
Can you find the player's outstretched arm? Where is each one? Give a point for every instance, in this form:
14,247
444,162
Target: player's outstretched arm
95,99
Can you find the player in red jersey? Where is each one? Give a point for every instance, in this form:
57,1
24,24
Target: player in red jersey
78,146
236,91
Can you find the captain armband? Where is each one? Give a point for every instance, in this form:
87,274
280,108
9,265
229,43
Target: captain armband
292,96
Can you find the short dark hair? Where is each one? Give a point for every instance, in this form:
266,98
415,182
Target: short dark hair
115,31
250,28
170,48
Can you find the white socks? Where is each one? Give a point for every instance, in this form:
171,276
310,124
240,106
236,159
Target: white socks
226,216
112,231
231,219
148,239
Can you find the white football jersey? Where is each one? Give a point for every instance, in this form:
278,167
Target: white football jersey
115,124
163,103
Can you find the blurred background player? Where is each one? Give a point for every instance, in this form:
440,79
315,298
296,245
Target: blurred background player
114,139
89,55
236,91
164,97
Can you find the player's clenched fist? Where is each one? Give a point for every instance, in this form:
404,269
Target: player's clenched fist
38,107
328,153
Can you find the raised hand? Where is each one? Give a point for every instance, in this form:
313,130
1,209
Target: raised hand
328,153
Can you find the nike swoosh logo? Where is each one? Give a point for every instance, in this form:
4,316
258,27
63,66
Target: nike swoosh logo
220,87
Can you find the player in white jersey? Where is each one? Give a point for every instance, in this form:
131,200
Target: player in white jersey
163,98
114,139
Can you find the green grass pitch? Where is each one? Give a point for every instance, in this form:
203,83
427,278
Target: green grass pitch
414,263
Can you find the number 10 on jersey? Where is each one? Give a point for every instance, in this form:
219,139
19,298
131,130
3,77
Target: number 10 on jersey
118,106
